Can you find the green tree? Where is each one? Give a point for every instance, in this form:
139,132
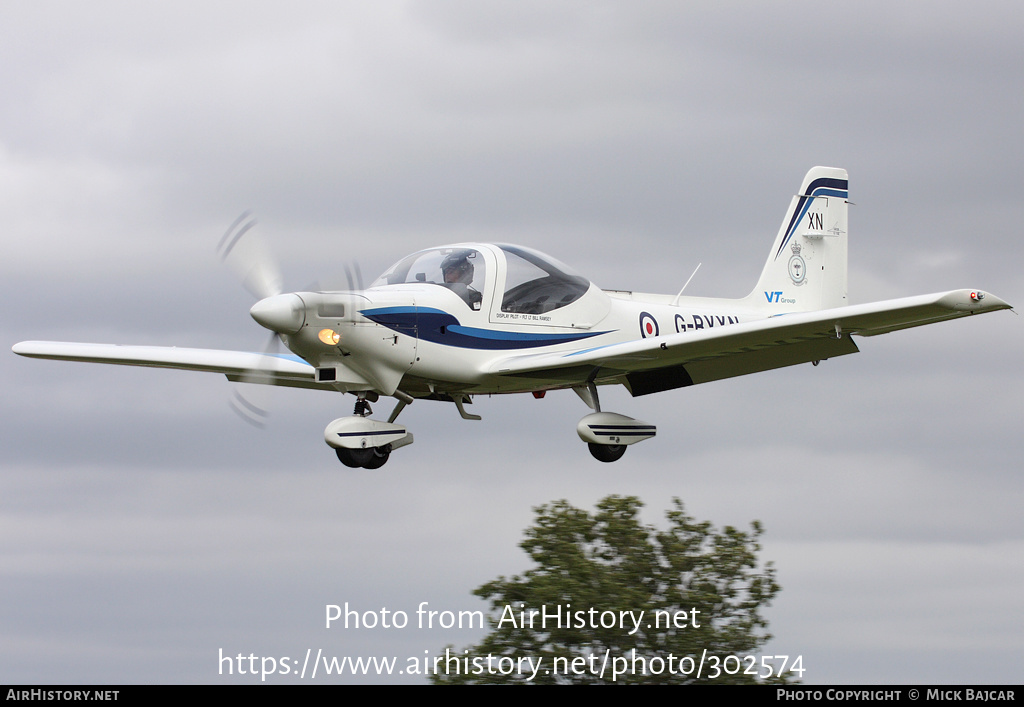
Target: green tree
707,582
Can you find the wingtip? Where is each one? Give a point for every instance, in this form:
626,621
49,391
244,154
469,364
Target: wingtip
973,301
989,302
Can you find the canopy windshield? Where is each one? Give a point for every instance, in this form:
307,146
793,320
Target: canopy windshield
461,270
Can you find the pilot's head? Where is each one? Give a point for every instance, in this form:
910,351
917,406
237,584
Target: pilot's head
457,268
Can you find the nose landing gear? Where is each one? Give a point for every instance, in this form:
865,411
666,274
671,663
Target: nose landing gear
369,458
362,443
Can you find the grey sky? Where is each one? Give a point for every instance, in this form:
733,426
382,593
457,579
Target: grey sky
145,526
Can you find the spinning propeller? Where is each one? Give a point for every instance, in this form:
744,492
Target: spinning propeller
247,254
244,252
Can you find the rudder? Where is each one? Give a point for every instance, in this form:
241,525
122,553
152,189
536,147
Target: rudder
806,267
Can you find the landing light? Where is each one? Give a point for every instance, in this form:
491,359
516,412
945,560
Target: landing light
329,337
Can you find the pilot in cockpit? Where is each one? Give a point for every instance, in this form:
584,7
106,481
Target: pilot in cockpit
458,276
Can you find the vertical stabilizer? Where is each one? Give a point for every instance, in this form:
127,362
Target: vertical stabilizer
806,268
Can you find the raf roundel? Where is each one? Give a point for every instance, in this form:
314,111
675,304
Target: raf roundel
648,325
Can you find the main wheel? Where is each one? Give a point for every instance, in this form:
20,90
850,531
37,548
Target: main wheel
607,452
379,457
355,458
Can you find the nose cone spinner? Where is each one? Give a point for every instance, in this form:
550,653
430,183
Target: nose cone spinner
284,314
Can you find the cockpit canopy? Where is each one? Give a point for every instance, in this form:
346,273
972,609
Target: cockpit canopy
461,270
534,283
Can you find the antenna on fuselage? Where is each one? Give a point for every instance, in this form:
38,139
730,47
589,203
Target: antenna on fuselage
676,300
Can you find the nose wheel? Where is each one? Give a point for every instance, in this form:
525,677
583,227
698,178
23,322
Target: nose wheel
362,443
369,458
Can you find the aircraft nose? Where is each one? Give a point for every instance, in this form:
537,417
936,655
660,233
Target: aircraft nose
284,314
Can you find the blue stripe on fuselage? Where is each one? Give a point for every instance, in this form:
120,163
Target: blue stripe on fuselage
440,327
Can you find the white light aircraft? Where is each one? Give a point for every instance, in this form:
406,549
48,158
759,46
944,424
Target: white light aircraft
457,321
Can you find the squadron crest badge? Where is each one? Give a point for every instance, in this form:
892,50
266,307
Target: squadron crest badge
797,267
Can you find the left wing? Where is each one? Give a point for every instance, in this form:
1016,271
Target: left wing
663,363
284,370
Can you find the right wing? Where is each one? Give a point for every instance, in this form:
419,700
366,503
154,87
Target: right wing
662,363
239,366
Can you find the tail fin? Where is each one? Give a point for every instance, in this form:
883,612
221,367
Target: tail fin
806,268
